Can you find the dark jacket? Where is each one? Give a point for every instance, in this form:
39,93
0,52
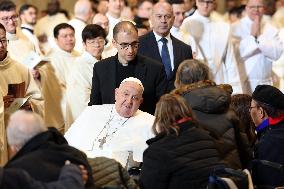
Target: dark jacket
179,161
70,178
151,74
210,105
110,173
148,47
44,155
270,146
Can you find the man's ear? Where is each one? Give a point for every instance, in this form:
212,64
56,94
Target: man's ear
262,113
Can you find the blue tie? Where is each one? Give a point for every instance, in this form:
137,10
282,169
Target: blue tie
166,57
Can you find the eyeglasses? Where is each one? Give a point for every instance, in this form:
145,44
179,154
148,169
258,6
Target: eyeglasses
4,41
210,2
7,19
96,42
125,46
256,7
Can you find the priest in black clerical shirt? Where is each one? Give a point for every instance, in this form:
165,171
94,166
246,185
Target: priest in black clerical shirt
108,73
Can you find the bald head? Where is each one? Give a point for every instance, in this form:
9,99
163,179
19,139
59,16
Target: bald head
23,126
83,10
102,21
162,18
124,27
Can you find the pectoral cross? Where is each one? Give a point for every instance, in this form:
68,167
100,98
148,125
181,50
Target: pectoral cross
102,142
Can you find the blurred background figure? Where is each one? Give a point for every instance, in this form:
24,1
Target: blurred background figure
102,6
83,14
189,7
236,13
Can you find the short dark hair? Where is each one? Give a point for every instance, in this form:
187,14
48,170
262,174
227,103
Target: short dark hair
7,5
140,2
175,2
60,27
124,26
92,31
2,27
25,7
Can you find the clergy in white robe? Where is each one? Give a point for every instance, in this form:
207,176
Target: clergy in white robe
79,85
3,145
258,46
216,48
62,58
117,130
83,13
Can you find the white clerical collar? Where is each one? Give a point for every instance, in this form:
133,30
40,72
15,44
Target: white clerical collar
27,26
11,36
158,37
65,53
202,18
89,58
112,19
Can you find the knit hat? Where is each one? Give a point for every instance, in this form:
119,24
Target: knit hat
269,95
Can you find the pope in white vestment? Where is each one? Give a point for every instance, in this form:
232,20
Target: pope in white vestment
114,130
216,48
131,135
79,85
256,55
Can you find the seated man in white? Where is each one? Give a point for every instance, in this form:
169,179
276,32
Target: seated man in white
114,130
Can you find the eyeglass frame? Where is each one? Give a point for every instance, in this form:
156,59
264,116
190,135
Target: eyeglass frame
100,42
125,46
4,41
6,19
256,7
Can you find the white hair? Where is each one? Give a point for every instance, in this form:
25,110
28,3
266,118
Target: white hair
133,79
23,126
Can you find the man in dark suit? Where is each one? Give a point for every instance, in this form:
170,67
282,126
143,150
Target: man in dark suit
160,45
109,73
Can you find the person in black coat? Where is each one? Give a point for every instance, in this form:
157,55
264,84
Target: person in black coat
70,178
40,151
109,73
182,154
267,112
162,19
210,104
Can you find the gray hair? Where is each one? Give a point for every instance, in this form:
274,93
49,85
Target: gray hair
191,71
82,7
23,126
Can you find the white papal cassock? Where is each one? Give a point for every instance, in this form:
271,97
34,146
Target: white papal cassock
125,134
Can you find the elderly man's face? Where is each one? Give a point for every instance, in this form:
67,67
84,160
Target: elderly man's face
9,20
128,98
255,9
205,7
66,39
162,18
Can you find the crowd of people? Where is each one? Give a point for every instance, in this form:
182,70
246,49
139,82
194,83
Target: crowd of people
170,90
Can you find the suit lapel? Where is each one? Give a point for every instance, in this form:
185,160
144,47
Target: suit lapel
176,52
153,47
111,72
140,70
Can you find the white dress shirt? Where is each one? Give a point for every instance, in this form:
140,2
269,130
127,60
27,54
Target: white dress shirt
170,47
